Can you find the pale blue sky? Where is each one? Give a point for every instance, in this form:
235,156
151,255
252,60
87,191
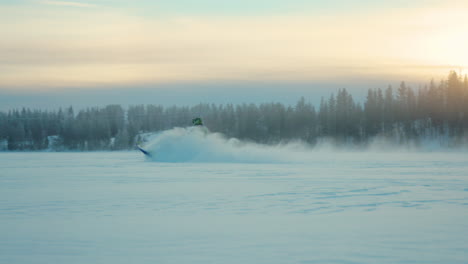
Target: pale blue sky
234,7
242,7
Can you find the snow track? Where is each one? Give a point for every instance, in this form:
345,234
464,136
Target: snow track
113,207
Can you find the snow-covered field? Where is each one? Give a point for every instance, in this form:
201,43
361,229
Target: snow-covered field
330,207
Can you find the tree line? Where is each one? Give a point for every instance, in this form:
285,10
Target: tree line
436,111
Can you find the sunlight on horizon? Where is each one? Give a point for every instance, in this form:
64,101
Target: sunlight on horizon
80,45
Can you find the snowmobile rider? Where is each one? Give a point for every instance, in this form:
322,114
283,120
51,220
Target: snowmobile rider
197,121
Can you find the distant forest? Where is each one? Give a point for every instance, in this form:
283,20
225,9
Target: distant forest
437,111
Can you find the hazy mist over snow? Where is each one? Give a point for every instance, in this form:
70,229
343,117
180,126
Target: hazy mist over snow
197,144
183,94
189,94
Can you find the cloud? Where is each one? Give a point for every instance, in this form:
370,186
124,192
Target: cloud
102,47
66,3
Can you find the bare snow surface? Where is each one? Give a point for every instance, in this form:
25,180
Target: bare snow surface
215,200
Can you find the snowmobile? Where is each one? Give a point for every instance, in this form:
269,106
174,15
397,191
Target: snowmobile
144,151
196,122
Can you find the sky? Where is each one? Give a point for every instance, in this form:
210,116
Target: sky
53,52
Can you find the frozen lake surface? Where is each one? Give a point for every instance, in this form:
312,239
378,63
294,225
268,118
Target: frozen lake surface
333,207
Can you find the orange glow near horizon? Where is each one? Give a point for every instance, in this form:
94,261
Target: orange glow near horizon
101,49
